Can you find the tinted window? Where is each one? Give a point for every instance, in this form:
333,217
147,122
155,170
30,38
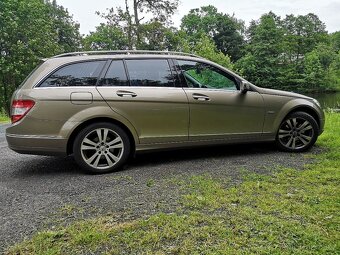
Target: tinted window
150,72
115,75
79,74
201,75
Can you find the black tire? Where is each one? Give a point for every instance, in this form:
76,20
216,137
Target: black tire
98,156
297,132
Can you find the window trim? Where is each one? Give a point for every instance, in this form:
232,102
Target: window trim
44,78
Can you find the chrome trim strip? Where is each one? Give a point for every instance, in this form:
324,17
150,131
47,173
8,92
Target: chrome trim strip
35,137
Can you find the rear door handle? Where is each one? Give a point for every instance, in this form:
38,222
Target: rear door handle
124,93
200,97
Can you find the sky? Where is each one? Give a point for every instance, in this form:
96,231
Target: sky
328,11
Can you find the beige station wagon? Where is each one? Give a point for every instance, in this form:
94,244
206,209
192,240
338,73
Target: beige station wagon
103,107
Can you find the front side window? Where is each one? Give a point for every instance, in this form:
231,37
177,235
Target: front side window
150,73
201,75
78,74
115,75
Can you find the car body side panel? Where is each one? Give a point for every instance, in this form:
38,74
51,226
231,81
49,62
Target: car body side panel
225,115
160,114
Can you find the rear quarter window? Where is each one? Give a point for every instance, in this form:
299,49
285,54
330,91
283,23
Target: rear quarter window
77,74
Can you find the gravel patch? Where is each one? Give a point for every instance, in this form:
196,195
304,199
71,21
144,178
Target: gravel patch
38,192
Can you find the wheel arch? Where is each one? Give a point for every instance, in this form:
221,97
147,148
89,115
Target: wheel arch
307,109
70,141
297,105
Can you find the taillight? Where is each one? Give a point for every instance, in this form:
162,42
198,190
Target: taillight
20,108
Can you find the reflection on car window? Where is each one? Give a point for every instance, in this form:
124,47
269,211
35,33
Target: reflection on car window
115,75
150,72
200,75
79,74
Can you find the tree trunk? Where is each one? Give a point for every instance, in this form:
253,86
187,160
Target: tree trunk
5,97
137,24
129,26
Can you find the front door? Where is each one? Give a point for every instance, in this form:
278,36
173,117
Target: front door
217,108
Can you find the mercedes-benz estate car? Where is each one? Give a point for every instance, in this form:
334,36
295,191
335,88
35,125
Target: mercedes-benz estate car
102,107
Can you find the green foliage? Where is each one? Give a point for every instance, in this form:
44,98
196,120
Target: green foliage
3,117
106,37
69,38
30,30
206,48
289,212
226,31
313,70
294,53
263,63
125,24
335,41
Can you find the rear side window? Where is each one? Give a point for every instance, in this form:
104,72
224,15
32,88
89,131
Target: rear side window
115,75
78,74
150,73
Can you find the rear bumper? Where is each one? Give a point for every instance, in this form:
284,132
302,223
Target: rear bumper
37,145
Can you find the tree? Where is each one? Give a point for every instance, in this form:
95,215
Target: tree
225,30
203,46
302,35
69,38
156,36
335,41
314,73
206,48
263,63
31,30
27,33
106,37
129,20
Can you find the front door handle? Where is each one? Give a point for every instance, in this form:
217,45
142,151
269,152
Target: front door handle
124,93
200,97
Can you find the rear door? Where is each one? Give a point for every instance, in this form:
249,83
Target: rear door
217,108
144,91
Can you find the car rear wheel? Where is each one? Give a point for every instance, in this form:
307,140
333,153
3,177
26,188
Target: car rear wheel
298,132
101,148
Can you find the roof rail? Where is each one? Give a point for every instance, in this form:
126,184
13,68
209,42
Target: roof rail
126,52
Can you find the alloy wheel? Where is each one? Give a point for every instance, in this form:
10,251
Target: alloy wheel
296,133
102,148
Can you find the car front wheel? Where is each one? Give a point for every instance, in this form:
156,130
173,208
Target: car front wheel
298,132
101,148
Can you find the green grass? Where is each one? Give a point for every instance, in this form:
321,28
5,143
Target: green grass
288,212
4,118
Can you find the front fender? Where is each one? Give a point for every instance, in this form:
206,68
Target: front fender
279,109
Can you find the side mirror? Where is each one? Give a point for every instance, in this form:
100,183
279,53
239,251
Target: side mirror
244,87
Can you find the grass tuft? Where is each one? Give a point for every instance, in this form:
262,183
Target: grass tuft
3,117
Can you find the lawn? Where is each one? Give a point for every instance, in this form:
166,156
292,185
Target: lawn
289,212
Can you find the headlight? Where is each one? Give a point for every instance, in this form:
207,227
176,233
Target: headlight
316,102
